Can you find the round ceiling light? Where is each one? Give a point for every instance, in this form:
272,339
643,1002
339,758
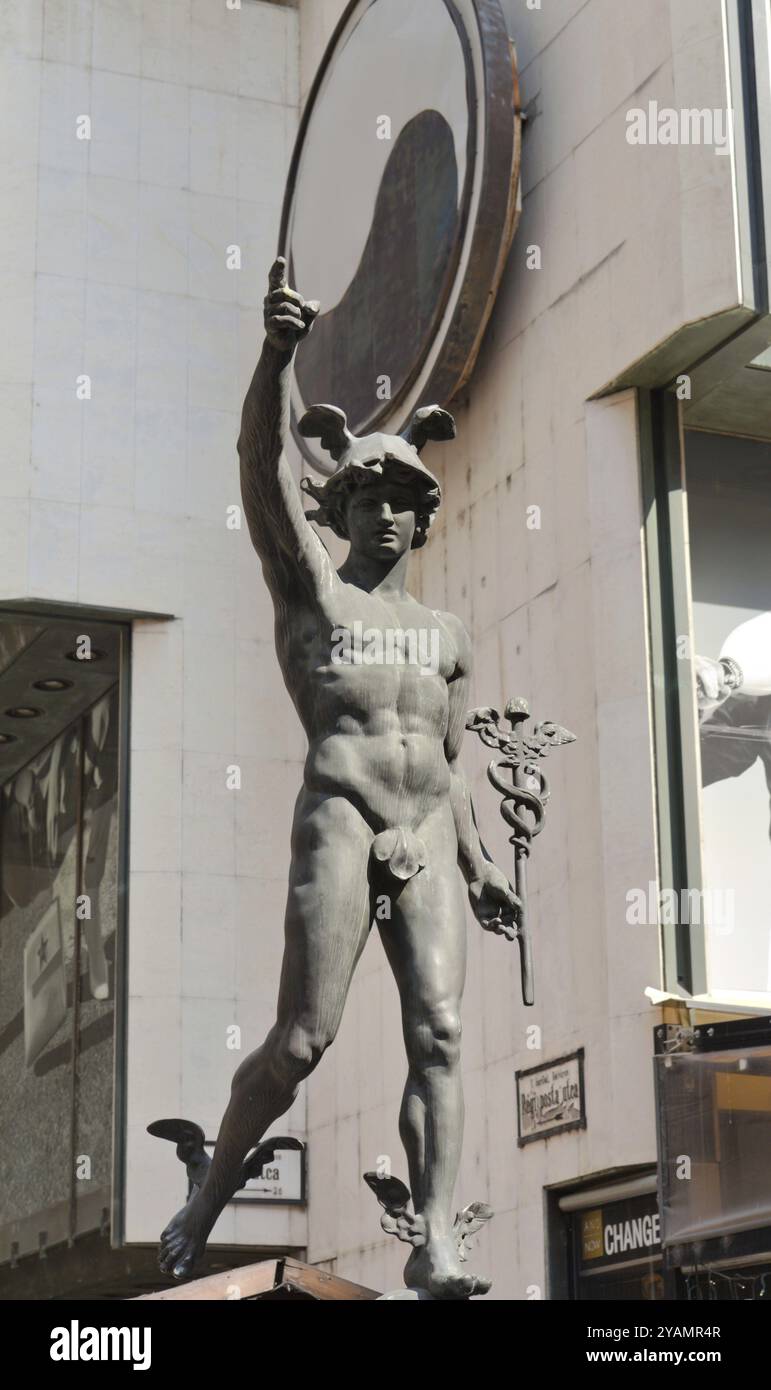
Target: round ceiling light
23,712
52,684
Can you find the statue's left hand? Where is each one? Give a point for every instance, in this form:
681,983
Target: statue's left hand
494,901
288,317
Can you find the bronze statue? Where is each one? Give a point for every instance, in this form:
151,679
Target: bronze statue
384,817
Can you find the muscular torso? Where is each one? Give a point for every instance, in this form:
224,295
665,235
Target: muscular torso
375,731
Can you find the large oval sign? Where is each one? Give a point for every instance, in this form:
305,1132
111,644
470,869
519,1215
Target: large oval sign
400,207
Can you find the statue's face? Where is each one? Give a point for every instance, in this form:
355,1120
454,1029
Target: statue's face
380,518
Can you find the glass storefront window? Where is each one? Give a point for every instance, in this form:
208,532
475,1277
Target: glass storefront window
714,1136
728,483
617,1251
59,891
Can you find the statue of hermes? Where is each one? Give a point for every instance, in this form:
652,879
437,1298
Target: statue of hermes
384,819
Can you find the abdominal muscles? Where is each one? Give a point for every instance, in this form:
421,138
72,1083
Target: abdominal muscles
377,736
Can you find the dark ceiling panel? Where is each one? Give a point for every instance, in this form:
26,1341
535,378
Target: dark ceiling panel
48,656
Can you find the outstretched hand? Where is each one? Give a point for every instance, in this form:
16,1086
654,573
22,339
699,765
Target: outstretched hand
495,904
288,317
712,689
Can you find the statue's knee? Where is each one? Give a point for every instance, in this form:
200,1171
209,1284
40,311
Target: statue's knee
299,1051
436,1038
447,1037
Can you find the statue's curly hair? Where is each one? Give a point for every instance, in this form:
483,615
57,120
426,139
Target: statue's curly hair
332,496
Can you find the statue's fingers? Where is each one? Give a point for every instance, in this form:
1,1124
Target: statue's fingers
284,306
284,292
277,273
509,918
283,299
309,310
285,321
507,922
284,310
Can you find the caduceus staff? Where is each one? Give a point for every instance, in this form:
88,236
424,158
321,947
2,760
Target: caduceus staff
524,799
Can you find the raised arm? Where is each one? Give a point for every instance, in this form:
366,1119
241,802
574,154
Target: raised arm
286,543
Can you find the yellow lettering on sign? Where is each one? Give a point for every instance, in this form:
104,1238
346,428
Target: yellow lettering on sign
591,1234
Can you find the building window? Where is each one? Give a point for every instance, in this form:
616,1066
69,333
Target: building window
61,874
713,1102
707,503
728,489
606,1241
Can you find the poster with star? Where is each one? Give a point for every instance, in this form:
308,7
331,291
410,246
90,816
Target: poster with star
45,990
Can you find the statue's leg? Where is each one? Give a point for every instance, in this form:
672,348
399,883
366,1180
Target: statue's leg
425,941
326,926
